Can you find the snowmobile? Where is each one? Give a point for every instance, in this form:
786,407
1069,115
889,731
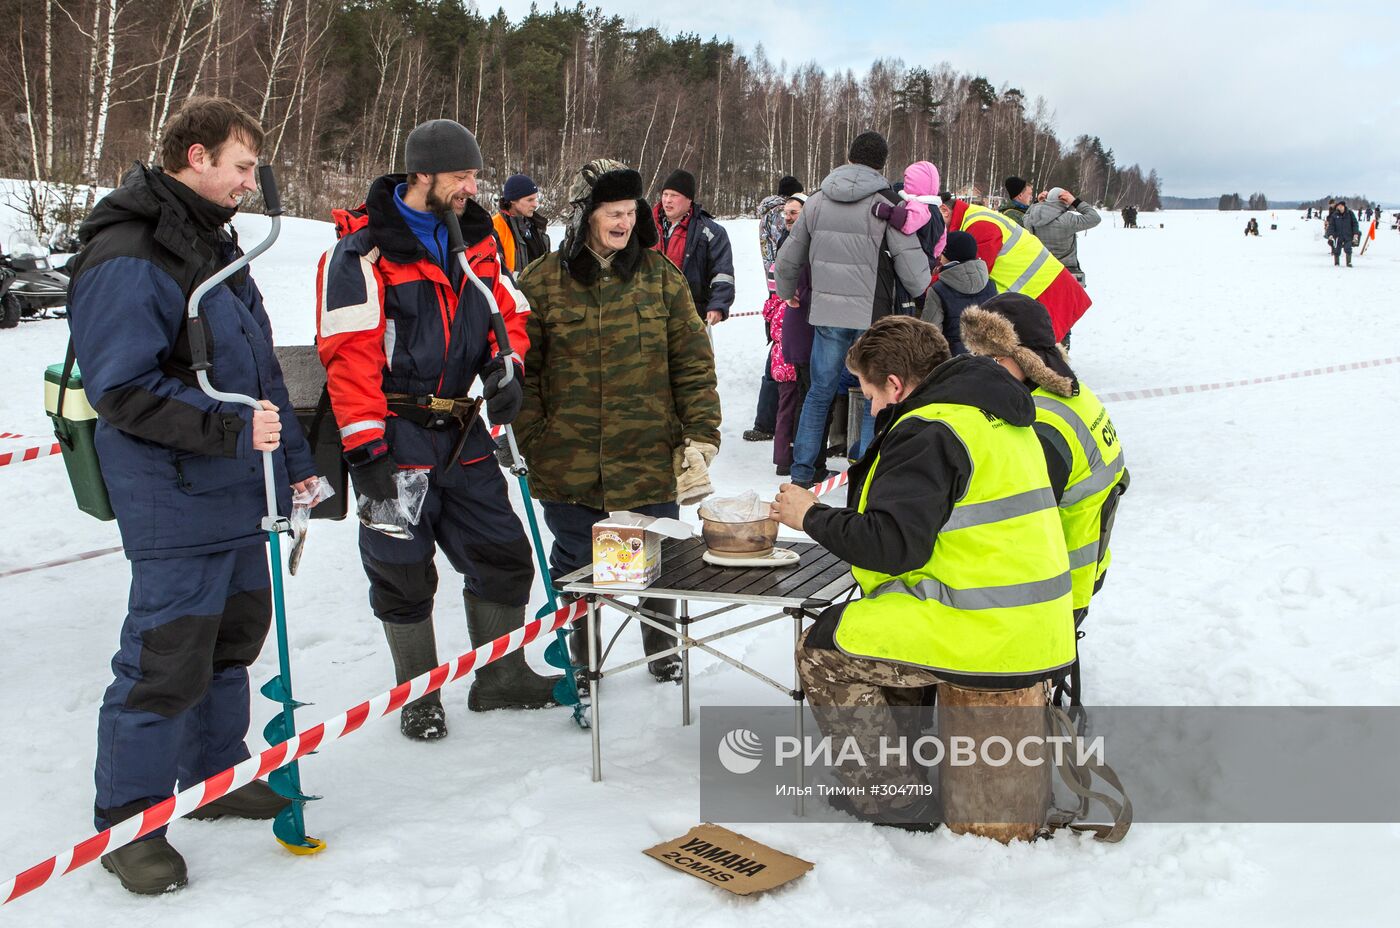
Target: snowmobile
30,287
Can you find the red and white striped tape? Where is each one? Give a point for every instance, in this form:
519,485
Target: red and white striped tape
59,562
829,484
26,454
1126,395
279,755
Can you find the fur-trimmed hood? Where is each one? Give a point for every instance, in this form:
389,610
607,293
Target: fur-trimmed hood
1009,328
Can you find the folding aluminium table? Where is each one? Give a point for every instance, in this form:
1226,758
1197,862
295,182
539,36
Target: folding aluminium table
799,591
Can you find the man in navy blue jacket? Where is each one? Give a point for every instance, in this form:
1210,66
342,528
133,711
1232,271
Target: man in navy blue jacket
184,473
697,245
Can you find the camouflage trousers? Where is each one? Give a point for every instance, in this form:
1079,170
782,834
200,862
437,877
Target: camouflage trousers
853,697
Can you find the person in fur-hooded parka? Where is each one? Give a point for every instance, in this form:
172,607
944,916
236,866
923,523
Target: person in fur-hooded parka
1012,326
1083,455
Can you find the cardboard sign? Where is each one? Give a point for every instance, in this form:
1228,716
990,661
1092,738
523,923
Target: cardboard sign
730,861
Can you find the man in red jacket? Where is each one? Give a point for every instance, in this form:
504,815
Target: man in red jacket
403,333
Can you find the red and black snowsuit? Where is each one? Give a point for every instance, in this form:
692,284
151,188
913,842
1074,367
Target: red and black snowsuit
392,320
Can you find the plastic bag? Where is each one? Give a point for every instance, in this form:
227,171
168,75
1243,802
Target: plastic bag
745,508
303,501
393,517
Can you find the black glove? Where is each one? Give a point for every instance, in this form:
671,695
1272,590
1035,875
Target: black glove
502,402
372,468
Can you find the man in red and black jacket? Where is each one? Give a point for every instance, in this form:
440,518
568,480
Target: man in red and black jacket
403,334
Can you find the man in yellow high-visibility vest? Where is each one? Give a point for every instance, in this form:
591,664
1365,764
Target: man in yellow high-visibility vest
952,533
1018,262
1083,454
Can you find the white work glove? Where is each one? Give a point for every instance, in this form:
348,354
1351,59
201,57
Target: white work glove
691,464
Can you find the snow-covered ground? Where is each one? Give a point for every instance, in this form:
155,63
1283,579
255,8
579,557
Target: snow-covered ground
1254,564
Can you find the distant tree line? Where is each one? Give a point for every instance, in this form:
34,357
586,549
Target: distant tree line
1232,201
1353,201
86,84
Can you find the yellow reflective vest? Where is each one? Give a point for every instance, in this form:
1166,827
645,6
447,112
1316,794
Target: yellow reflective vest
1096,469
994,598
1024,264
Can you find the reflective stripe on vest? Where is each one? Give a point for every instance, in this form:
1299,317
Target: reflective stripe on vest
1024,264
1096,467
994,598
988,597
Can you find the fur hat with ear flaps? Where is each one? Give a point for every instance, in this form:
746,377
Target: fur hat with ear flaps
1012,325
600,181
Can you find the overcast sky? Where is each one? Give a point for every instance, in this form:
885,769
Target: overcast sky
1296,99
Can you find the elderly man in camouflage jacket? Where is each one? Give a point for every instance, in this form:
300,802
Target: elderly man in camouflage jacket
620,411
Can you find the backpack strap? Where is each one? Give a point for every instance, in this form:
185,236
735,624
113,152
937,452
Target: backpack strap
1079,778
60,427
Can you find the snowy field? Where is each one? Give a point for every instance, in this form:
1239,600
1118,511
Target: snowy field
1254,565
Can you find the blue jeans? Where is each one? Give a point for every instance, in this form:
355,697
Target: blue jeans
829,347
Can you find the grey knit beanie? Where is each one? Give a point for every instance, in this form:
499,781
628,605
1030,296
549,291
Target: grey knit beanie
441,146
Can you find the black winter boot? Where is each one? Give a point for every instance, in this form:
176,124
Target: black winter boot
414,649
1348,259
666,669
255,800
508,683
148,867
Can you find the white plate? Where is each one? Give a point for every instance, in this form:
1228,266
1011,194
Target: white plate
778,557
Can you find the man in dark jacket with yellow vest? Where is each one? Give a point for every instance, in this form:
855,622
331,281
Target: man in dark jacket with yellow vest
1083,456
955,471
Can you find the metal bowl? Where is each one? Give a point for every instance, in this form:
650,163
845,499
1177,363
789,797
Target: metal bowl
740,539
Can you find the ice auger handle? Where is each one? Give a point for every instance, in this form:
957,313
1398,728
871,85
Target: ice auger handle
267,182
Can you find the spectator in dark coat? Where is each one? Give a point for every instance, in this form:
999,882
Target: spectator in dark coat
1342,228
697,245
793,345
962,282
1018,200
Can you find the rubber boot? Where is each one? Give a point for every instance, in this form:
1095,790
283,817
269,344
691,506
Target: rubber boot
1348,259
507,683
255,800
665,669
414,649
148,867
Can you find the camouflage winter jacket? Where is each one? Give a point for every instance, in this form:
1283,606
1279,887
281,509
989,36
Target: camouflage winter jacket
619,375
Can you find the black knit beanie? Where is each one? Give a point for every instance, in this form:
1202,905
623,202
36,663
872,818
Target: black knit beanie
683,182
